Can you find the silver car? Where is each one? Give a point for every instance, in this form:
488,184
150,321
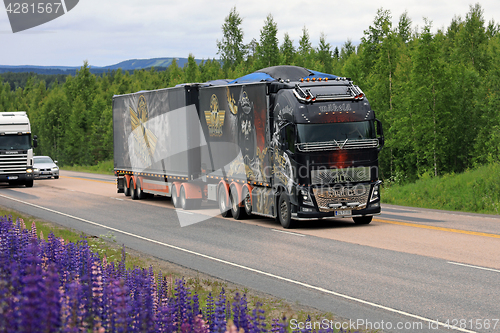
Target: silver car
44,167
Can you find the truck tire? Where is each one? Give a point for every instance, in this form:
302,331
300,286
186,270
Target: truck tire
185,204
362,219
127,190
140,193
224,208
237,211
284,212
134,192
175,197
247,201
29,183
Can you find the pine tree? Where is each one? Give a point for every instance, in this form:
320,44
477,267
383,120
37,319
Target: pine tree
268,49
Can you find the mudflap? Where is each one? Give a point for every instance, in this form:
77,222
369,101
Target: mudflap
120,184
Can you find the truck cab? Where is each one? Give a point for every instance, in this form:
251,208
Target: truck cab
326,143
16,150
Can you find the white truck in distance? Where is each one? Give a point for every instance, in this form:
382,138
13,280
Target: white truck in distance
16,151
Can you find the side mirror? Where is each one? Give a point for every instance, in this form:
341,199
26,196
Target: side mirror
35,141
380,133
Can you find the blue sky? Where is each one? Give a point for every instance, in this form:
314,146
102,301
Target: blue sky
107,32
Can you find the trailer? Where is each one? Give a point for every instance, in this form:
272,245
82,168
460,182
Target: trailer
16,149
283,142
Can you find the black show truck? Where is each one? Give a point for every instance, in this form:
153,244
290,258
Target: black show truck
283,142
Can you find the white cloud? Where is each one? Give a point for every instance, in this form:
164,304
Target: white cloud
107,32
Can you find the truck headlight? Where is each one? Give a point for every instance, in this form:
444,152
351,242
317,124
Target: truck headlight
29,170
375,193
305,198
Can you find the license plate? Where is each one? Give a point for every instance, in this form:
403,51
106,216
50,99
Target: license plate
12,177
44,173
342,212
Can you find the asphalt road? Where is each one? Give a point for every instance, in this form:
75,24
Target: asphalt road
410,270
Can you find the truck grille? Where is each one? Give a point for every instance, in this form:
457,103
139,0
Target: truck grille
336,175
334,195
13,163
338,145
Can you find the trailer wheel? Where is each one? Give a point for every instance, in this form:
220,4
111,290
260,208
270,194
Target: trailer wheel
127,190
175,198
237,211
134,191
247,201
362,219
224,208
140,193
284,212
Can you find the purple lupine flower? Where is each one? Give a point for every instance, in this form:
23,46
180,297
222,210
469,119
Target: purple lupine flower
257,324
120,306
97,292
33,233
195,308
181,300
240,312
52,298
31,308
210,312
166,320
220,313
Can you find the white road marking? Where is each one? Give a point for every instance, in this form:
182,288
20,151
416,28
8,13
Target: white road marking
183,211
277,277
472,266
288,232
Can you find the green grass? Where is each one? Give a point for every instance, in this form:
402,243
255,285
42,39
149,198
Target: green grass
476,191
106,245
104,167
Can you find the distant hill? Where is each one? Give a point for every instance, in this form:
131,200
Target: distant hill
127,65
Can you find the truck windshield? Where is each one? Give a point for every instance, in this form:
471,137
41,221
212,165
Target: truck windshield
335,131
14,141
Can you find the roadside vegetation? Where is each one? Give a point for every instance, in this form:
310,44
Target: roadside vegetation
91,283
476,191
102,167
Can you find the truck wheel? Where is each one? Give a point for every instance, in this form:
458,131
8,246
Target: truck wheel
247,201
224,208
134,192
184,203
175,198
29,183
284,212
237,211
140,193
362,219
127,190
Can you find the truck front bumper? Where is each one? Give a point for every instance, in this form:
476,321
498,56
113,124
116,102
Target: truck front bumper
18,177
372,209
